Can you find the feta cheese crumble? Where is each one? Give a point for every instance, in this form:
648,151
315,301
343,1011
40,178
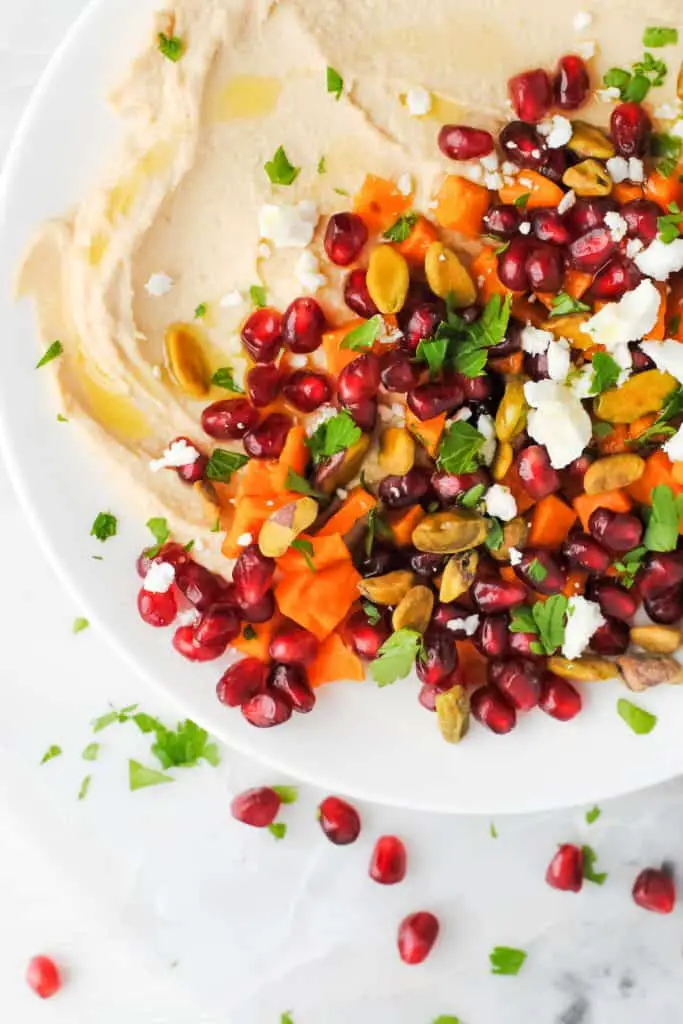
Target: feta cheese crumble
535,341
405,184
232,300
557,130
633,247
188,617
586,49
307,272
418,101
607,95
468,625
515,556
557,420
566,202
159,285
525,228
582,20
629,319
583,619
487,428
244,540
617,167
636,169
616,225
159,578
500,503
178,454
660,259
559,359
298,361
288,227
666,355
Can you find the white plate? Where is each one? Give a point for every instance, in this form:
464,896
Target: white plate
375,744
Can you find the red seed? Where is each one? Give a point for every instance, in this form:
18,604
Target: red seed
267,440
660,573
420,324
294,646
559,699
388,861
611,638
520,683
256,807
591,251
398,372
641,217
523,145
501,220
263,384
439,657
494,595
615,601
460,142
531,95
356,294
185,643
229,419
426,564
42,977
303,325
583,552
631,129
417,934
339,821
451,486
252,574
618,531
402,491
365,637
523,644
201,587
491,709
430,400
363,413
587,214
293,682
262,335
616,278
537,475
307,390
268,709
665,607
157,609
539,570
218,626
572,83
544,268
549,226
242,681
258,611
565,871
512,265
345,237
654,890
359,379
491,637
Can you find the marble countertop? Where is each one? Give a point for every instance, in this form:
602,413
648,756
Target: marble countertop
162,910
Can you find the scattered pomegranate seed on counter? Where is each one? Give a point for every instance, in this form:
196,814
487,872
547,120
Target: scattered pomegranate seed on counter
417,934
389,861
256,807
654,890
42,977
565,870
339,821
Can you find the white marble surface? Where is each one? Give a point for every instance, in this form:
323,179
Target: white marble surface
163,910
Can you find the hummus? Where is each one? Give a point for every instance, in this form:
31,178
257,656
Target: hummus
175,225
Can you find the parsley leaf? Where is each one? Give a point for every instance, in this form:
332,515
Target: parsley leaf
56,349
63,419
85,786
673,327
249,633
376,527
140,777
402,229
667,151
506,960
280,170
396,657
523,620
630,565
278,829
589,872
79,625
495,537
669,224
634,85
223,464
300,485
287,794
104,527
364,336
335,83
305,549
446,1019
657,36
671,409
536,571
322,165
372,613
286,1018
223,378
333,436
201,311
550,618
460,448
468,342
91,751
182,747
51,752
565,305
491,327
171,46
606,372
493,831
434,352
470,359
258,296
666,515
640,721
522,201
160,531
593,815
653,70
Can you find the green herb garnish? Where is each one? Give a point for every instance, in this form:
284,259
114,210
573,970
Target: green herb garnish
223,378
280,170
364,336
201,311
223,464
287,794
56,349
593,815
182,747
50,753
91,751
372,613
460,448
666,515
667,151
471,498
640,721
536,571
305,549
402,229
396,657
333,436
258,296
589,872
495,537
249,633
629,566
565,305
160,531
140,776
606,372
300,485
506,960
335,83
522,201
79,625
547,619
104,527
656,36
171,46
85,786
278,829
376,528
434,352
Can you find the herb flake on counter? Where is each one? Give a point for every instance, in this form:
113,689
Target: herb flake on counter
104,526
565,305
171,47
63,419
104,721
401,230
640,721
50,753
223,464
91,751
85,786
279,170
606,372
79,625
159,529
593,815
223,378
446,1019
664,523
258,296
333,436
278,829
286,1018
335,83
506,960
460,448
201,311
182,747
287,794
396,657
305,549
657,35
56,349
341,191
140,777
493,831
363,337
588,861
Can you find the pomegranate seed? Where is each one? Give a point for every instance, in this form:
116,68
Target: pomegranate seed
262,335
229,419
267,440
654,890
267,709
201,588
640,360
572,83
307,391
451,486
256,807
520,683
611,638
388,861
641,217
402,491
294,646
185,643
381,561
512,265
522,644
631,129
365,637
345,237
660,573
494,596
398,372
615,279
359,379
430,400
549,226
531,95
536,366
502,220
174,554
582,552
492,635
460,142
242,681
417,934
263,384
618,531
257,611
559,699
363,413
539,570
252,574
475,389
490,708
573,474
587,214
420,324
218,626
303,325
291,680
339,821
428,694
426,564
439,657
537,475
356,294
544,268
523,145
193,472
665,607
556,165
42,977
591,251
565,871
615,601
157,609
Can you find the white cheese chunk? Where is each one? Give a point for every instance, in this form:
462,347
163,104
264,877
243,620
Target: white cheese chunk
557,420
535,341
405,184
582,20
616,225
244,540
560,133
307,272
232,300
159,579
418,101
666,355
467,625
636,169
188,617
500,503
587,49
525,228
660,259
515,556
566,202
159,285
559,359
288,227
618,168
178,454
487,428
583,619
629,319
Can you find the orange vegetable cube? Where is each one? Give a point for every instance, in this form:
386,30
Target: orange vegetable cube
461,204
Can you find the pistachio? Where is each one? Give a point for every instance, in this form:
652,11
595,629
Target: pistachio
589,178
571,328
447,277
388,279
453,713
660,639
285,525
512,411
639,395
414,610
589,141
613,472
515,535
186,361
389,589
341,468
446,533
396,452
642,671
458,576
505,453
582,670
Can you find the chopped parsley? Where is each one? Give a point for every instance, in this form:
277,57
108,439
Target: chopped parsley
223,464
333,436
182,747
447,1019
396,657
669,224
112,716
286,1018
223,378
104,527
322,165
376,528
249,633
434,352
506,960
521,202
201,311
372,613
160,530
671,409
278,829
85,786
402,229
171,46
536,571
364,336
91,751
300,485
493,831
565,305
287,794
460,448
588,862
656,36
335,83
471,498
63,419
640,721
495,537
50,753
593,815
341,191
629,566
79,625
635,84
279,170
667,151
674,325
305,549
547,619
469,342
140,777
606,372
258,295
56,349
664,523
